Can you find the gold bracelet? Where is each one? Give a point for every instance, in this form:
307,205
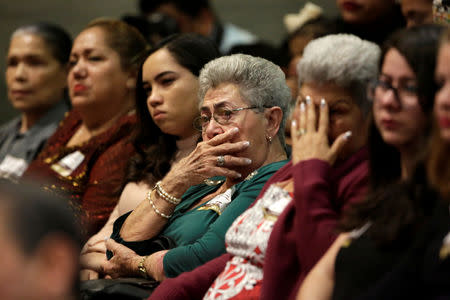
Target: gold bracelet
142,269
157,211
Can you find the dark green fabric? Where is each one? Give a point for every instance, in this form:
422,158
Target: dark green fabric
200,234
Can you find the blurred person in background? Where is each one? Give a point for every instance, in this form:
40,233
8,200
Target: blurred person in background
373,20
88,154
41,241
302,28
36,78
198,17
417,12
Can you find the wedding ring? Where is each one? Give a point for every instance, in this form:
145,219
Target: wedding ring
301,131
220,160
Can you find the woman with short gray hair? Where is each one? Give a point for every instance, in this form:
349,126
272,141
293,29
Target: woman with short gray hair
239,127
260,82
329,150
299,206
343,59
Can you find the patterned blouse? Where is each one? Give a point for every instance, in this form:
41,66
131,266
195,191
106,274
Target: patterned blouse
247,241
91,173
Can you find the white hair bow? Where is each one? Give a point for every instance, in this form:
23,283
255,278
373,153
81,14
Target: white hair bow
309,12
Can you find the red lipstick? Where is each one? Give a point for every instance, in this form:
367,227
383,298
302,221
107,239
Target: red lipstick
79,88
444,122
350,6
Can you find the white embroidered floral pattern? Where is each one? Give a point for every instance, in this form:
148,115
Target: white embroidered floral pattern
247,240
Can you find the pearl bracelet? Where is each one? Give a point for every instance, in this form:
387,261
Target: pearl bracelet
163,194
157,211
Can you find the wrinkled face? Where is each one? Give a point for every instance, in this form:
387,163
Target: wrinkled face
252,123
171,93
442,99
96,76
417,12
35,79
363,11
344,114
399,119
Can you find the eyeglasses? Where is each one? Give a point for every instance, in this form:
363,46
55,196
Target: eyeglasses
405,94
223,116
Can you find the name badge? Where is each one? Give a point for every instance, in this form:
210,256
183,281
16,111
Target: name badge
220,202
68,164
12,167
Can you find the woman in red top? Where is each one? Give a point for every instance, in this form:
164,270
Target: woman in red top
88,154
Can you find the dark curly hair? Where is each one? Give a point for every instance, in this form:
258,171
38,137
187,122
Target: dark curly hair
154,149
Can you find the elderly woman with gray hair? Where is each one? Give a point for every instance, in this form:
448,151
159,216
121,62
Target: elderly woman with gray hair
243,107
299,206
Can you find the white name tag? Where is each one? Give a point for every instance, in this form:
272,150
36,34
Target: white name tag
12,166
277,207
220,202
68,164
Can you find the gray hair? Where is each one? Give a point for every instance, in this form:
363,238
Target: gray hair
261,82
55,37
342,59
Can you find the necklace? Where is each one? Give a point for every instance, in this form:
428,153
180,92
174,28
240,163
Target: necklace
211,182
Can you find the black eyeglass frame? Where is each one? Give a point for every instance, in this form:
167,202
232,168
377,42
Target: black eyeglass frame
386,86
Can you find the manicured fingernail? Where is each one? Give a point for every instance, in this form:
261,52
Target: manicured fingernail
308,100
347,135
323,102
302,106
294,123
238,175
248,161
246,143
235,129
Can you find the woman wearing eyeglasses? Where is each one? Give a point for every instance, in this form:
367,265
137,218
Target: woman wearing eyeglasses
382,229
273,244
243,106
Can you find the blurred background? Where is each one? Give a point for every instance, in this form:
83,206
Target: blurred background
262,17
